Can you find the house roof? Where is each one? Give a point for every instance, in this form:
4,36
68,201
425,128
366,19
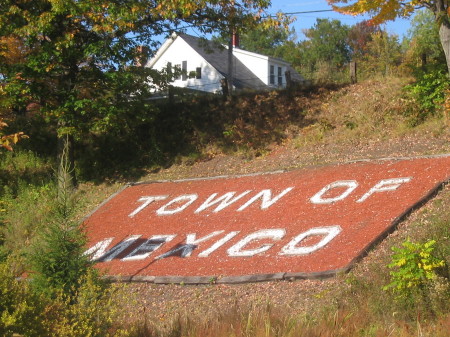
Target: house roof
217,56
295,76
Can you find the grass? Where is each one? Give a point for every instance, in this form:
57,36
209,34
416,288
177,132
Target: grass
335,118
355,305
251,125
368,110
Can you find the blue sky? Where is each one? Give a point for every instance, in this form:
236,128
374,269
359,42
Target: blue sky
307,20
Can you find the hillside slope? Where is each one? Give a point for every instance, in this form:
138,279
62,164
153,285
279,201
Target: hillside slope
362,121
359,121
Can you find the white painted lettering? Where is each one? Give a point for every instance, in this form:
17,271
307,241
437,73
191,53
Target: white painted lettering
185,250
98,250
385,185
188,199
180,250
148,247
147,201
99,253
350,187
218,244
225,201
119,248
266,196
192,240
329,234
238,248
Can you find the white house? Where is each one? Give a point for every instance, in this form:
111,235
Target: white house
204,65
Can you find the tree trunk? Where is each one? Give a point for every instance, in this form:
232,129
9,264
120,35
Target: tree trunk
230,78
442,18
423,58
444,35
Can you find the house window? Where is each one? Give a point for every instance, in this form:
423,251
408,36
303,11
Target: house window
178,70
280,76
169,68
184,74
272,75
198,73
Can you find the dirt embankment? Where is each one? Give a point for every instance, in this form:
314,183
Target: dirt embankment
354,123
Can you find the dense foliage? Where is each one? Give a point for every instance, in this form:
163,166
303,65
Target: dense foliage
430,91
74,62
413,267
423,37
382,11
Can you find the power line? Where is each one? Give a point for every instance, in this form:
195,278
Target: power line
307,12
304,12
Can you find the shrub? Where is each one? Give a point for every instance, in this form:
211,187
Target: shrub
57,258
56,254
21,310
414,266
429,92
89,310
25,183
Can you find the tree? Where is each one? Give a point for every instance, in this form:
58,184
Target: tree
359,37
266,40
76,54
73,50
383,54
382,10
326,46
57,256
57,259
423,38
232,18
8,140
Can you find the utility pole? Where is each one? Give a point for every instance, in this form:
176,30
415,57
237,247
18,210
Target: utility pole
230,76
353,72
232,31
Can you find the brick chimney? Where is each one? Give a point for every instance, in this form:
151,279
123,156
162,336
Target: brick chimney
142,56
235,40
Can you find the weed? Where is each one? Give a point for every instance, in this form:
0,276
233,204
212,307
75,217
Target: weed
429,91
21,168
414,267
19,225
22,310
56,256
88,311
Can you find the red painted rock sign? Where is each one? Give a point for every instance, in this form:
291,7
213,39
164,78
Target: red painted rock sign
302,223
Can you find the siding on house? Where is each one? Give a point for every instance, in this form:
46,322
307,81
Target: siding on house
217,57
179,51
255,62
261,65
205,65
